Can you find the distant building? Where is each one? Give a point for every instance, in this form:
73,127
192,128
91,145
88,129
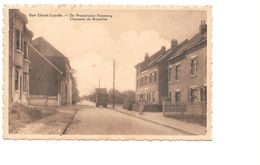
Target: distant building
152,75
187,80
19,62
51,77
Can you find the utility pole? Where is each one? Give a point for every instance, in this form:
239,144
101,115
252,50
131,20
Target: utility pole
94,94
114,83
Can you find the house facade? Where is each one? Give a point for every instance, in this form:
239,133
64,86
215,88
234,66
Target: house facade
187,74
51,77
152,76
19,62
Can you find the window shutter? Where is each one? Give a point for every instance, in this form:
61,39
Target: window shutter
197,65
201,94
190,67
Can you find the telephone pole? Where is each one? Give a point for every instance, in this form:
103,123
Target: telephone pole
114,83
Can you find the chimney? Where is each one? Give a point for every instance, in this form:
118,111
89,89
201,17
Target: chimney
146,56
163,49
203,27
174,44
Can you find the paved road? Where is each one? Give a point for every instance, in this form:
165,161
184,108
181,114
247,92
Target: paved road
103,121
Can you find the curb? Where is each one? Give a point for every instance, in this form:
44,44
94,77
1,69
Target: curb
153,121
68,123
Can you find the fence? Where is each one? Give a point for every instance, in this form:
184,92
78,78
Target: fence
149,107
43,100
195,109
170,109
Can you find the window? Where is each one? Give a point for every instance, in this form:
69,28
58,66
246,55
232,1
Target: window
153,96
170,95
194,66
21,42
17,40
25,50
155,76
145,80
194,95
177,73
150,78
24,82
16,86
203,93
177,97
170,74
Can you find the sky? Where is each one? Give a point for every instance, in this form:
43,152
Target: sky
91,46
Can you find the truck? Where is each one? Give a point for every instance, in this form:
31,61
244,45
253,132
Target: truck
101,97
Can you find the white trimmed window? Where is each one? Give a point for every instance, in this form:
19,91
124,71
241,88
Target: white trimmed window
170,95
170,74
25,49
203,93
145,80
193,66
150,78
177,72
19,45
194,95
16,81
177,97
24,82
155,76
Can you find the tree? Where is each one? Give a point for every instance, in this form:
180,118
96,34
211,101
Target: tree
128,96
118,96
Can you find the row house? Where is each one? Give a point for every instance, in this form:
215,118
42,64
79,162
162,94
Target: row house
50,77
19,63
152,76
187,73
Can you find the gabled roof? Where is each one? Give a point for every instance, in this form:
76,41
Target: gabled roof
51,53
155,59
48,61
187,44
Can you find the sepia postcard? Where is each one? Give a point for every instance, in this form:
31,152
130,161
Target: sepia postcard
107,72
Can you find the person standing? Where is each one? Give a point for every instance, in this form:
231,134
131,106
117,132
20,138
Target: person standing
141,107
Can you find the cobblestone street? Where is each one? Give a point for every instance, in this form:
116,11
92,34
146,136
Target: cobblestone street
104,121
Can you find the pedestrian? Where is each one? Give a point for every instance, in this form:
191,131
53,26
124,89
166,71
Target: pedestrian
141,107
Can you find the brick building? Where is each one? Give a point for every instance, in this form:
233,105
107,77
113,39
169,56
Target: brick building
51,77
19,38
187,70
152,76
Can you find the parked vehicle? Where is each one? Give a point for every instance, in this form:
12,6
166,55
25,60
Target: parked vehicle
101,97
